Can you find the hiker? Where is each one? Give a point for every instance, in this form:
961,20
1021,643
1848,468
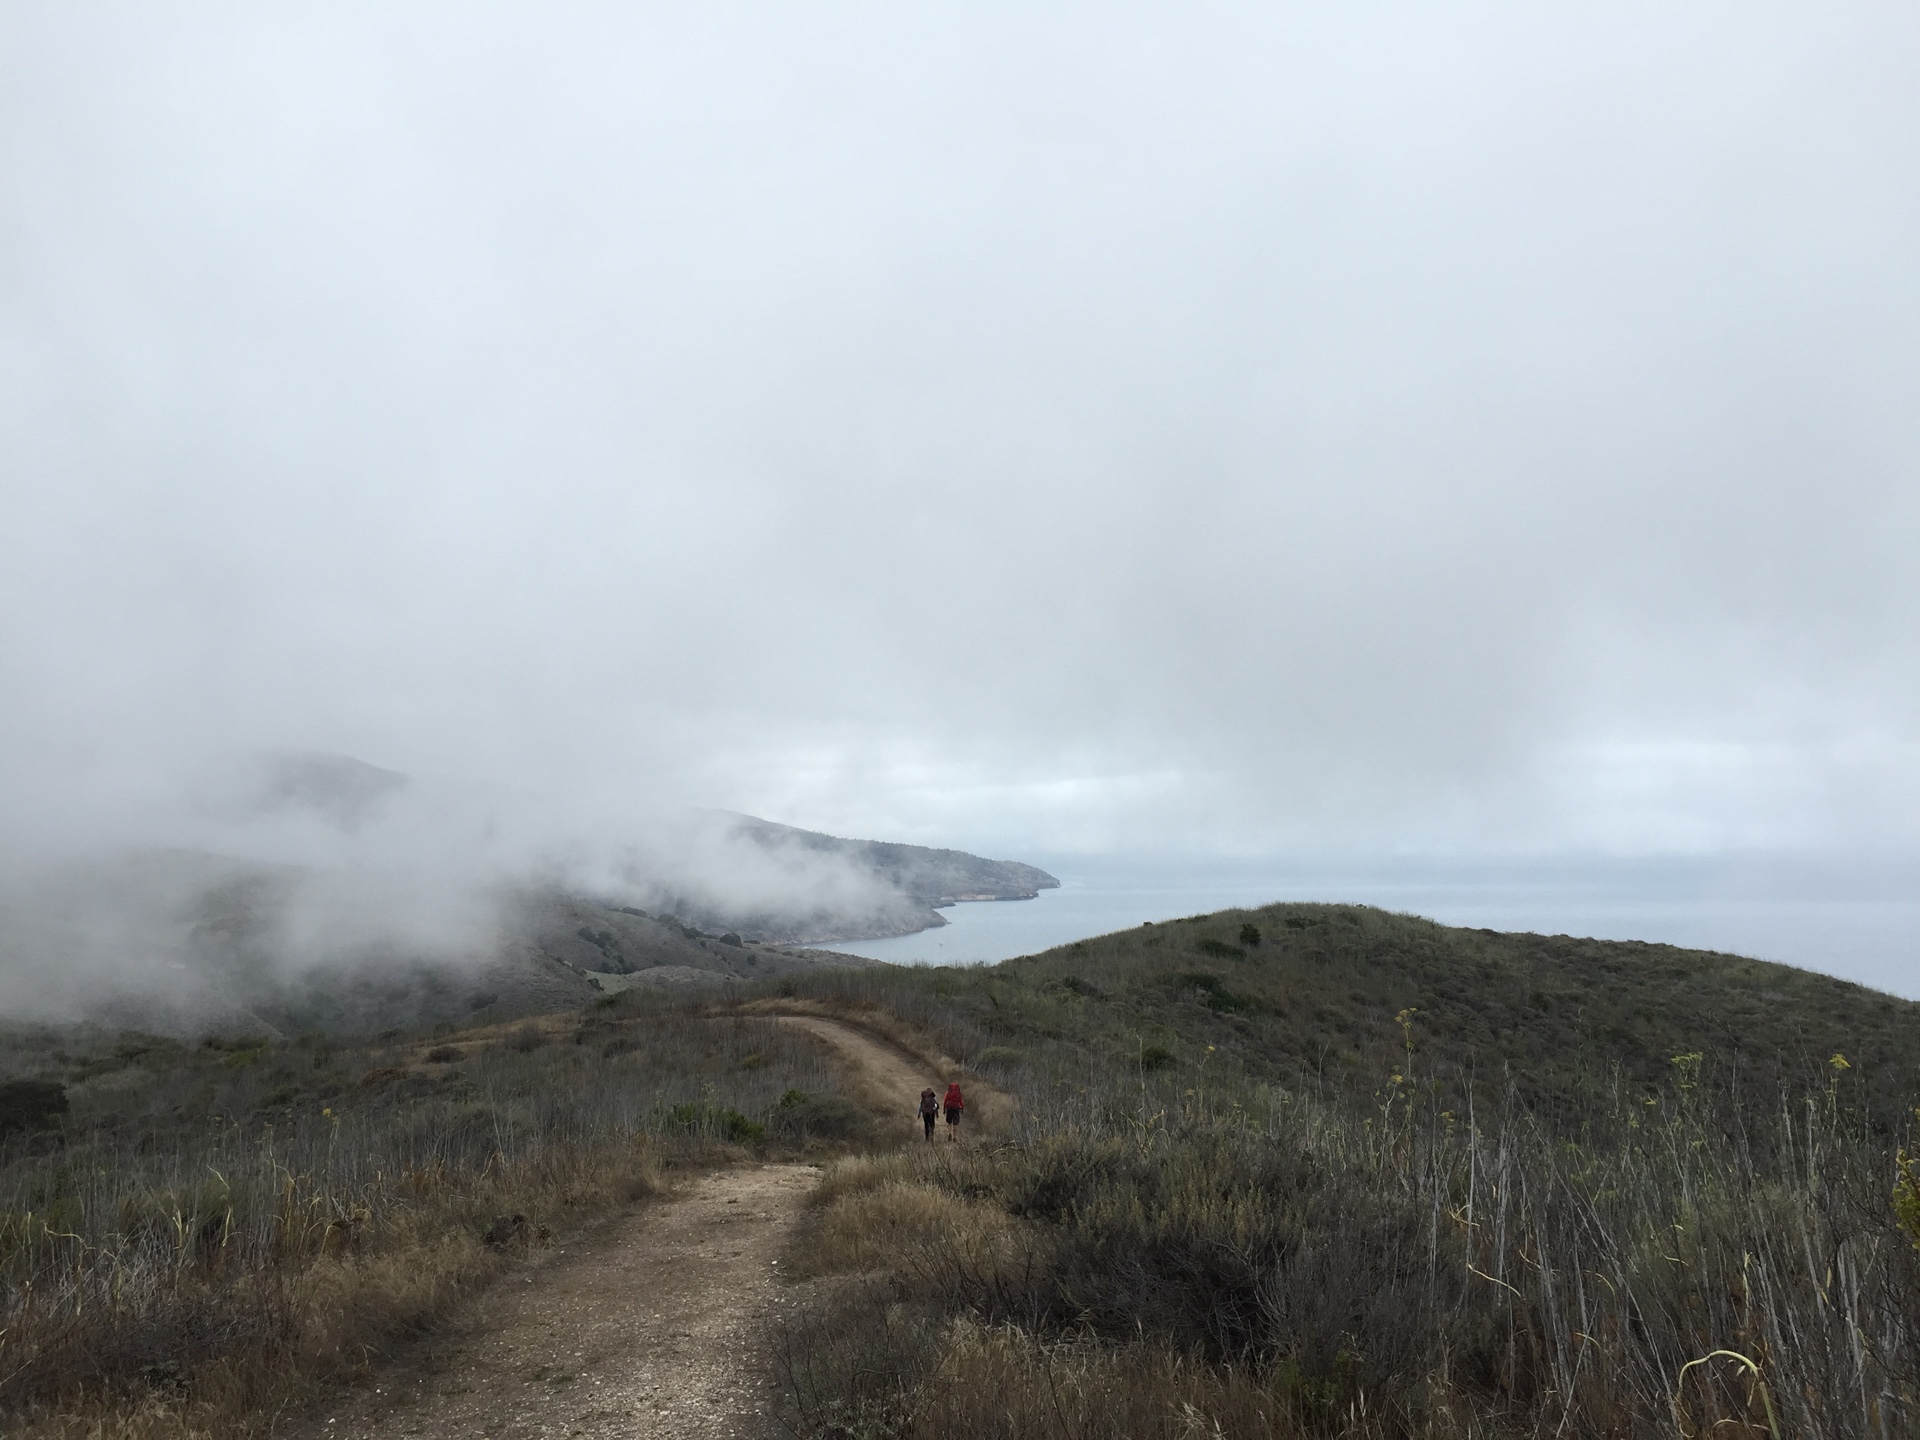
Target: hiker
954,1104
929,1110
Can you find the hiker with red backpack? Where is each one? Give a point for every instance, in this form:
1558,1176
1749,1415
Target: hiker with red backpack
953,1105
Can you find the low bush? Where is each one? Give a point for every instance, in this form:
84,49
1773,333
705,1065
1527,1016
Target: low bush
1232,1261
1213,992
527,1037
716,1122
801,1117
31,1105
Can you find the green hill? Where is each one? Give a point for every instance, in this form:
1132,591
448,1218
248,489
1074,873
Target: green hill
1314,993
1271,1181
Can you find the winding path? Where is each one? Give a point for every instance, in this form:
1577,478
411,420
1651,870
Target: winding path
653,1328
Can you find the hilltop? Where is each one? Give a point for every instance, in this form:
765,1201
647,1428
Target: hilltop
1331,995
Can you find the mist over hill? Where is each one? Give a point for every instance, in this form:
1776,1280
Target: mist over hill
310,890
926,878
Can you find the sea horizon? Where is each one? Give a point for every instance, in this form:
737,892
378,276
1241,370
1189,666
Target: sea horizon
1855,920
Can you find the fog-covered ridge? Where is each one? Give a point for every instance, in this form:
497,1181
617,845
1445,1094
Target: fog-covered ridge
311,889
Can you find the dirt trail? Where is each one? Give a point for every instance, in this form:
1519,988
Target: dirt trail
650,1329
892,1075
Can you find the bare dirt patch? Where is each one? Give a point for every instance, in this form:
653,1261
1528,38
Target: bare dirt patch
890,1075
888,1061
651,1329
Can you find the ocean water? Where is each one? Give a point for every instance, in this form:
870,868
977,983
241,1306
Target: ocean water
1859,921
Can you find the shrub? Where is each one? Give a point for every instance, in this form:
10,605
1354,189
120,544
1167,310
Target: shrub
31,1105
1214,992
1221,948
718,1122
801,1116
1906,1195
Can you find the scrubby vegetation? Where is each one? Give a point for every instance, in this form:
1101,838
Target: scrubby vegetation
1303,1171
1381,1178
211,1231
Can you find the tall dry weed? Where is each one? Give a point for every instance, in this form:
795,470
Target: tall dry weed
171,1274
1261,1263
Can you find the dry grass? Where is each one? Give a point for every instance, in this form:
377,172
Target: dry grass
878,1215
1250,1263
1001,1382
219,1345
214,1237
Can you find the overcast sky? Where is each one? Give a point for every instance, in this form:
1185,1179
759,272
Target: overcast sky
1476,430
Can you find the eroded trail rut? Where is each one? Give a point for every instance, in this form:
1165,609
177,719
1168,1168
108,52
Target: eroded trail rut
654,1327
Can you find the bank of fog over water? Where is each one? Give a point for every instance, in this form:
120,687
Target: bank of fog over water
1859,921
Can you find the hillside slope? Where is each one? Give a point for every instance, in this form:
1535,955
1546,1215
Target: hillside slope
187,943
553,952
1312,994
1271,1179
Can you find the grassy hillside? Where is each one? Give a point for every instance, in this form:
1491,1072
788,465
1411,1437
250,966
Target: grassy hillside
1315,996
1300,1171
1364,1175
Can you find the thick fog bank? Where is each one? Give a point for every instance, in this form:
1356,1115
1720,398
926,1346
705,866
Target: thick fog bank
1375,428
304,884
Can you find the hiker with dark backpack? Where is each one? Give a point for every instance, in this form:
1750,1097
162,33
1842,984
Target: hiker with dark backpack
929,1110
953,1104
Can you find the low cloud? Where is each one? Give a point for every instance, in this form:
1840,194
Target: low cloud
282,872
1378,430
